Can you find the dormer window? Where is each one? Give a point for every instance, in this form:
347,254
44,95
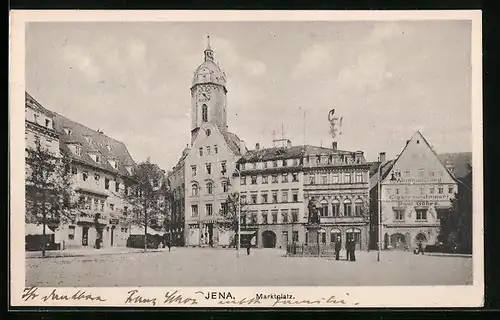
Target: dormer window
88,139
129,169
113,163
108,147
96,157
47,123
67,131
78,150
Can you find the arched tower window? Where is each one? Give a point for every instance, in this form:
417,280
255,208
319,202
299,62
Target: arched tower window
204,113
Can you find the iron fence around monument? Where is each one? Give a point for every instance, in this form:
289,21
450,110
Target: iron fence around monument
310,250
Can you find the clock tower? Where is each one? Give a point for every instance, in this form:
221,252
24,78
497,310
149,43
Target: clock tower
208,95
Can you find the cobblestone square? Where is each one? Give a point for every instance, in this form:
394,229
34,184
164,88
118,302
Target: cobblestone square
263,267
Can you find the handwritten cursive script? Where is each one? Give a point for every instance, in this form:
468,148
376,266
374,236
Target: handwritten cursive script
330,300
135,298
30,293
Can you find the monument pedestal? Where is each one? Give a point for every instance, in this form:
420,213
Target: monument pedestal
313,236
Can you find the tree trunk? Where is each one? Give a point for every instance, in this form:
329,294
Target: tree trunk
145,226
44,220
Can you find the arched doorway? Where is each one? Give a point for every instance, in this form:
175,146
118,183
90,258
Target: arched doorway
386,241
421,238
398,241
354,234
268,239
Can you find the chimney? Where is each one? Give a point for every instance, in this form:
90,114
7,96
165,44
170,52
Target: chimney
381,157
242,147
257,146
288,143
334,145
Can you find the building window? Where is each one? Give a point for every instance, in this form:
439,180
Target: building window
254,165
295,196
208,150
336,208
253,218
323,236
421,172
324,209
422,191
440,190
193,171
225,186
223,167
284,196
275,178
399,214
210,188
284,214
284,177
97,178
397,190
117,186
204,113
36,116
359,176
407,173
78,151
264,217
284,163
209,168
85,175
431,190
311,180
451,190
102,205
243,199
275,197
125,211
295,236
254,198
254,179
335,178
194,210
264,198
295,177
74,170
431,173
208,209
275,164
264,179
216,149
275,216
323,180
243,181
194,190
106,183
285,236
347,208
347,178
421,214
358,207
71,232
265,165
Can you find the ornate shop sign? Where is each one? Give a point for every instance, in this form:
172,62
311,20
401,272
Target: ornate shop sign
423,197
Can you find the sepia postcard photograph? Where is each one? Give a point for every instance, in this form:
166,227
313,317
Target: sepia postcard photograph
246,158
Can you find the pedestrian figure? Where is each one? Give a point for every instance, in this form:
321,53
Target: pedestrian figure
249,245
338,247
353,250
348,249
169,245
420,249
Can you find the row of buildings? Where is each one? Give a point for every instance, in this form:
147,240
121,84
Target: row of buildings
101,169
282,188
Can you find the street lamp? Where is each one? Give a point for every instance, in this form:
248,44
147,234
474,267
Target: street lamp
239,216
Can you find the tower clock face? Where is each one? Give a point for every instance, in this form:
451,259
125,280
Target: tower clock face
204,94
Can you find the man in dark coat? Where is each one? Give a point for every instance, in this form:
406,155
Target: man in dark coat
353,250
348,249
338,247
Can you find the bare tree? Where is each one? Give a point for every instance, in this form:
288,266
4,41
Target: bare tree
229,213
147,196
50,195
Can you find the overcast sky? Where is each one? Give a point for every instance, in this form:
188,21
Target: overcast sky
386,79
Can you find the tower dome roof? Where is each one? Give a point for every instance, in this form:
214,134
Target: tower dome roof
209,71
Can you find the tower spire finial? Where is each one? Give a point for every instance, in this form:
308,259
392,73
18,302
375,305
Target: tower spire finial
208,42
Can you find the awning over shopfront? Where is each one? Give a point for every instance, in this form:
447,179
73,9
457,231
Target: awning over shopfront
246,232
33,229
136,230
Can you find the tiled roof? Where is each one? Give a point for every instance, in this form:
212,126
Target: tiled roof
292,152
31,102
233,141
99,143
461,162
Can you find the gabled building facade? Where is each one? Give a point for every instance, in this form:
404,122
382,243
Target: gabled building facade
39,126
102,170
211,158
415,190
